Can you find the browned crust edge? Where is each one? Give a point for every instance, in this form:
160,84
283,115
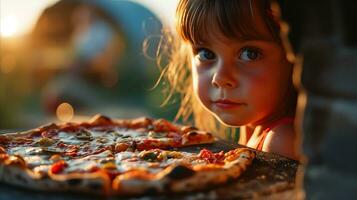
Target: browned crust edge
141,182
13,170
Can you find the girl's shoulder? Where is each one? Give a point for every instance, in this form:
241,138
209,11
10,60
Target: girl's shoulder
281,139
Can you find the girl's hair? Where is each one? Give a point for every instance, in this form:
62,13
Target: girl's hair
232,18
194,19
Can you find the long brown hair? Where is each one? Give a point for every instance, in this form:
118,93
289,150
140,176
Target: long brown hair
195,18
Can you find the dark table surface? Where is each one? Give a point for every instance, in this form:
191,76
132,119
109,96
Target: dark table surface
268,175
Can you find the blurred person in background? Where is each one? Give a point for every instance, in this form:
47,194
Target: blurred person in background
89,54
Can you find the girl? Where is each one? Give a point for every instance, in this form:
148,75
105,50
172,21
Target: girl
231,63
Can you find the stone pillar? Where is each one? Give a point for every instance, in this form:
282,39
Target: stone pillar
324,35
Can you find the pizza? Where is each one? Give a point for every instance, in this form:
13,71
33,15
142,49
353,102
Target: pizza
117,157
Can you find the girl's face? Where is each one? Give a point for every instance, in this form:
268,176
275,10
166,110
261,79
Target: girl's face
241,81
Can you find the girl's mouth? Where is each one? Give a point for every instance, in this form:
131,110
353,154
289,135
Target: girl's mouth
227,104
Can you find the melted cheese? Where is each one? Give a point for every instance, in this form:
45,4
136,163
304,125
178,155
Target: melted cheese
131,133
69,138
80,165
42,169
24,151
126,161
33,161
33,156
88,162
124,155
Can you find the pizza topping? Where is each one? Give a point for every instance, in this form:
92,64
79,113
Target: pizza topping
45,141
152,160
88,163
121,147
53,150
169,155
162,143
58,167
94,148
211,157
153,134
233,155
84,135
151,156
103,140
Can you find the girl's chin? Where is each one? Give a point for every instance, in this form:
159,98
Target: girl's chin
230,121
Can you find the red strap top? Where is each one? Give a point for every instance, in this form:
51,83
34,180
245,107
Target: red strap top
285,120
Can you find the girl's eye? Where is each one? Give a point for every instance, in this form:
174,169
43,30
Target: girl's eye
250,54
204,54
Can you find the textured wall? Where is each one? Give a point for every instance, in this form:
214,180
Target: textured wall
324,34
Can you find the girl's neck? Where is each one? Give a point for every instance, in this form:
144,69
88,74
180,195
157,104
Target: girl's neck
255,129
246,133
286,109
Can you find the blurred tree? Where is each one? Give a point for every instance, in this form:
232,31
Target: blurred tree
90,54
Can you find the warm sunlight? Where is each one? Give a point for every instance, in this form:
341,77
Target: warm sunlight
17,17
165,9
8,26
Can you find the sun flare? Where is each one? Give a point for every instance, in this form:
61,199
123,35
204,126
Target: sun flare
8,26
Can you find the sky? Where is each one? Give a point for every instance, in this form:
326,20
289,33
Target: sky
18,17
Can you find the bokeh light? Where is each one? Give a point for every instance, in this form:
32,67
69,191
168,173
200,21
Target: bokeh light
65,112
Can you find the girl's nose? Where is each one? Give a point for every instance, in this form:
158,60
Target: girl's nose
224,78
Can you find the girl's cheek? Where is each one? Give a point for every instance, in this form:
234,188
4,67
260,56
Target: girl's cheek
201,79
203,89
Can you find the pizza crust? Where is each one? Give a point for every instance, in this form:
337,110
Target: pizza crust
13,171
197,137
181,178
